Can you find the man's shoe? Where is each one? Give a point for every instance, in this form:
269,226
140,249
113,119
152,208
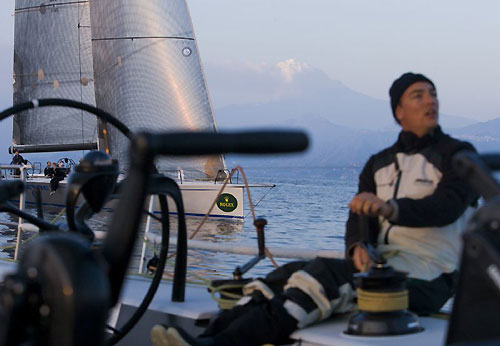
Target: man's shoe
162,336
52,192
176,336
159,335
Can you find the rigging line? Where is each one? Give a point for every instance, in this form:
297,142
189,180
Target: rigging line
80,16
260,200
142,37
29,8
80,68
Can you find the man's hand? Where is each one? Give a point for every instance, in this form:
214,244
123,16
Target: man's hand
366,203
361,258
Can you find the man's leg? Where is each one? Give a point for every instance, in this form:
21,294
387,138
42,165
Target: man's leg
427,297
256,293
52,184
56,182
323,286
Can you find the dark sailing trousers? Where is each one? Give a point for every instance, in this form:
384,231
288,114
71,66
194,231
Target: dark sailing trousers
263,320
54,183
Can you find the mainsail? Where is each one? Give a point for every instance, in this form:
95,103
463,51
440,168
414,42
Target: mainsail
148,73
53,59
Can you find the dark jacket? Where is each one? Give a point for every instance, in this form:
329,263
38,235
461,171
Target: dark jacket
417,174
18,160
48,171
60,173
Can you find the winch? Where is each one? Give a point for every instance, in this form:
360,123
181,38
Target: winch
383,304
382,298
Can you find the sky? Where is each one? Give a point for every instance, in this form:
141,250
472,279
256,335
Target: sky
365,44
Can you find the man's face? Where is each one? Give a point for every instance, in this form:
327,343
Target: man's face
418,109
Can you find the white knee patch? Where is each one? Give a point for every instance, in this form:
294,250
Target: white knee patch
244,300
313,288
344,302
260,286
303,318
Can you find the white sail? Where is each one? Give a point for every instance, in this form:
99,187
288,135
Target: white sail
148,73
53,59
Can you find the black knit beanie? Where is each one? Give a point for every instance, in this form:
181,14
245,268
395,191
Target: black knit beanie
399,86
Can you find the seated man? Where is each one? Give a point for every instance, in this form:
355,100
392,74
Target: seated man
48,171
416,206
58,175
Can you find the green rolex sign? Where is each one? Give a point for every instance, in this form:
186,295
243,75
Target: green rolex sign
227,202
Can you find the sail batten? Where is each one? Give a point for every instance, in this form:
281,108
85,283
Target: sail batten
148,73
53,59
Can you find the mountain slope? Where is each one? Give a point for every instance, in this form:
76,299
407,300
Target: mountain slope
262,95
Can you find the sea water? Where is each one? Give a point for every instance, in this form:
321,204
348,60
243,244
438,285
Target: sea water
306,209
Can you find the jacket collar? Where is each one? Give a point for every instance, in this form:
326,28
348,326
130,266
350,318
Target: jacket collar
408,142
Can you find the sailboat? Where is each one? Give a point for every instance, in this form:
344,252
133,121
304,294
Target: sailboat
136,60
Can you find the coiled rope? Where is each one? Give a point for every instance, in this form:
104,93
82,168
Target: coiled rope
382,301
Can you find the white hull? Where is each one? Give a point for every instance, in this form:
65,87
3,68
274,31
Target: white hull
197,197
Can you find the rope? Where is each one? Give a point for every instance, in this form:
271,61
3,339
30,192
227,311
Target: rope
260,200
151,247
226,300
382,301
22,243
226,181
250,203
63,210
34,235
6,259
271,258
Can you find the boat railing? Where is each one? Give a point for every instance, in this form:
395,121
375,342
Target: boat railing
23,169
36,168
182,176
222,174
8,170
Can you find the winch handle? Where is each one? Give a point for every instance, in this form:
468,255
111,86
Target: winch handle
365,241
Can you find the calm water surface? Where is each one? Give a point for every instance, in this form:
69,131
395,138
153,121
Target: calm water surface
306,209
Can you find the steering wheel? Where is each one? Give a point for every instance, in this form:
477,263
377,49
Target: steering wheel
77,224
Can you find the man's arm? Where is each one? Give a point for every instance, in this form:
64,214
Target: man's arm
448,202
352,235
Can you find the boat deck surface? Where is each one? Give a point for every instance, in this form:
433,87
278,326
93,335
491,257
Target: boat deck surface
331,332
199,306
